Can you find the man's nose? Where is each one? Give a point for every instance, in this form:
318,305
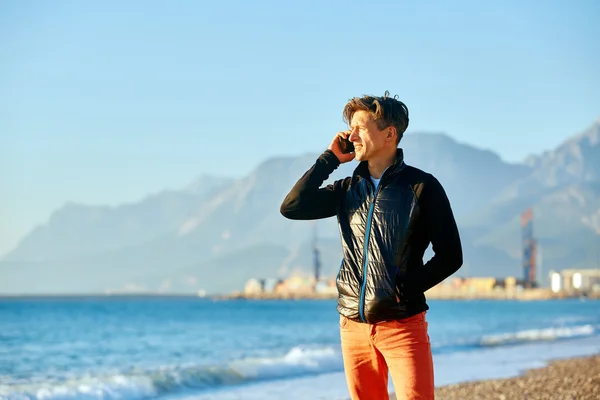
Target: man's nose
353,135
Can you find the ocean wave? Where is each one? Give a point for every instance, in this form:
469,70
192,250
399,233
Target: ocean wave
537,335
298,361
171,379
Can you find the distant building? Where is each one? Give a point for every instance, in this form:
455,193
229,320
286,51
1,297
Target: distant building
296,284
477,285
254,286
510,283
575,280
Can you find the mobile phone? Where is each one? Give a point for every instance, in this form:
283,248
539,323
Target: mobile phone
345,145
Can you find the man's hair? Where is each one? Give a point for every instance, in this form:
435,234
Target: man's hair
386,111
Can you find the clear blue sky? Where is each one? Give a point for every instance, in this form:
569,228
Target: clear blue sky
104,103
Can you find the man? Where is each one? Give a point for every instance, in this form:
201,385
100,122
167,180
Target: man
388,214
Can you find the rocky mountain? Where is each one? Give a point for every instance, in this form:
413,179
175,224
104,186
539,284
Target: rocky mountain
563,190
217,232
77,230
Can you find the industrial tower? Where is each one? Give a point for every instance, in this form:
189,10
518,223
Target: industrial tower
529,245
316,260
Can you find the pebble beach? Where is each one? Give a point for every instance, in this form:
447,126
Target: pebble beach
570,379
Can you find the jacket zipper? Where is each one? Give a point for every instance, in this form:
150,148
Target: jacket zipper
366,258
366,248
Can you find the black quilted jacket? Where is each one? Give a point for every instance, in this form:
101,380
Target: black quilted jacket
384,233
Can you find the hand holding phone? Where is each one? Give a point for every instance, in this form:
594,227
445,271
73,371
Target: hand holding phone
345,145
342,147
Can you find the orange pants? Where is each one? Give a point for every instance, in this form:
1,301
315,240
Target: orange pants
401,347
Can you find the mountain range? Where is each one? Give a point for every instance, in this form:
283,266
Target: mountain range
218,232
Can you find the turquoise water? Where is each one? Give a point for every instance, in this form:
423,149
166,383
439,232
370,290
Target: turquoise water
134,348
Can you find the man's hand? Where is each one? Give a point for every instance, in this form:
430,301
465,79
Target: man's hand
335,148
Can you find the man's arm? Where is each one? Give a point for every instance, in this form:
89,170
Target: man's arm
307,200
443,233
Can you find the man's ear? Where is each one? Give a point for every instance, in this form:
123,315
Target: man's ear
391,133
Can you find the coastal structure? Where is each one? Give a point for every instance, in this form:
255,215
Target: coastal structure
529,249
567,283
576,281
298,285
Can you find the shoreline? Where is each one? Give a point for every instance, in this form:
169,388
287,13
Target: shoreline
565,378
525,295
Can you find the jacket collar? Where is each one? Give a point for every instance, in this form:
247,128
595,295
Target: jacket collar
362,169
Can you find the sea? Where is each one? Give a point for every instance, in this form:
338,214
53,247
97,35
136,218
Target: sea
198,348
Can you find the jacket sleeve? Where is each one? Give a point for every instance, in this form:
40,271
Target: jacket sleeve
307,199
442,232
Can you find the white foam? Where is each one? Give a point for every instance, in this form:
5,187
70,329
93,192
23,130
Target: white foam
118,386
298,361
310,372
485,363
535,335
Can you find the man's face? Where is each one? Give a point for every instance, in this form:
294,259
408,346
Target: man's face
368,140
